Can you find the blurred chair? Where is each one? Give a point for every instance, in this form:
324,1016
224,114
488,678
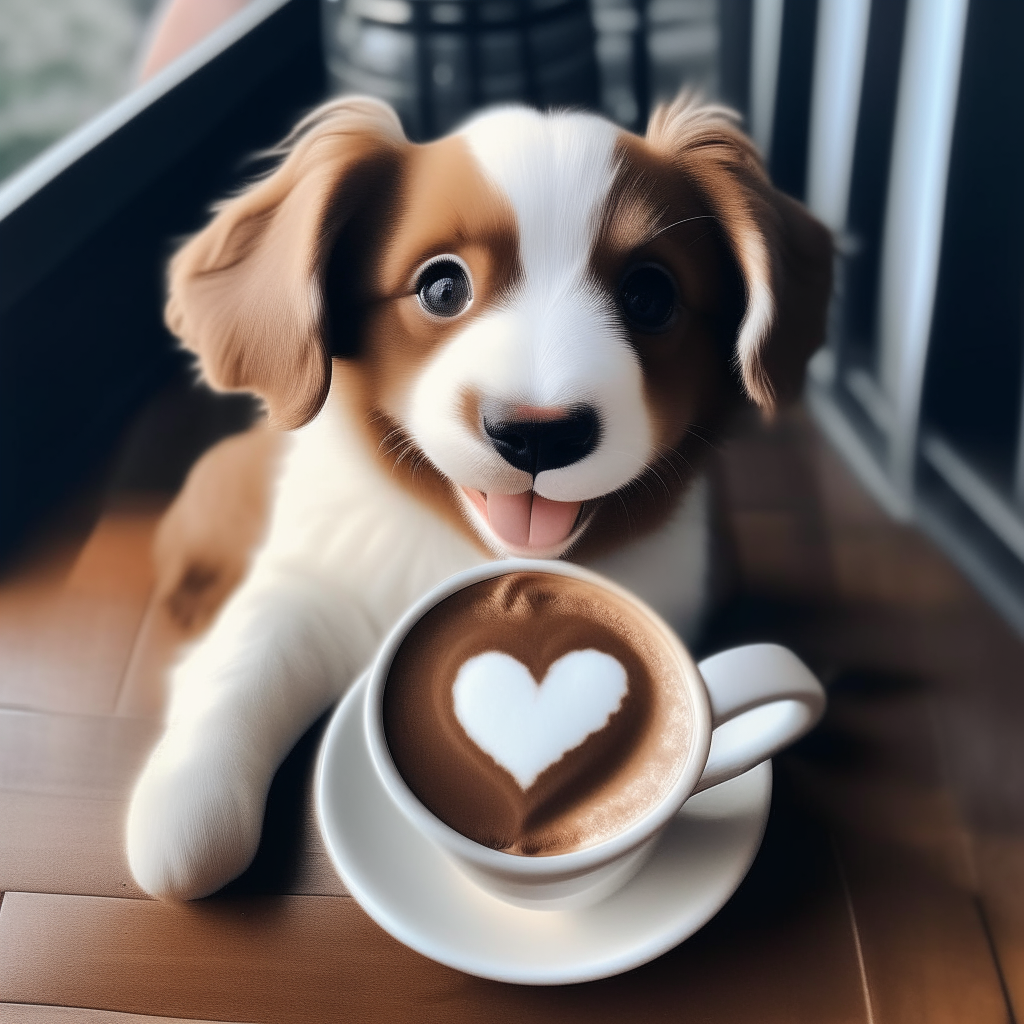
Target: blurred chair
436,62
648,49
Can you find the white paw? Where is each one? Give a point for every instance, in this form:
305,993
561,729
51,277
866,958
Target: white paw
194,821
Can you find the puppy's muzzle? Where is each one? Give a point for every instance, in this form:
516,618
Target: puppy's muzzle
535,442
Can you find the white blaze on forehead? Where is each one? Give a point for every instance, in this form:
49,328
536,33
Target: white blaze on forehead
556,170
558,340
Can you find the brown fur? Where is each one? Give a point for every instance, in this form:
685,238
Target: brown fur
447,206
246,293
320,258
205,540
704,144
682,198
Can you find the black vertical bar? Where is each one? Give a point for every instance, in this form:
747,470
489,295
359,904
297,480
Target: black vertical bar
473,53
526,54
424,81
869,181
793,96
735,24
972,389
641,65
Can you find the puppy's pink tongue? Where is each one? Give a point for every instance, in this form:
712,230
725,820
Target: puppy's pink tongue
551,521
530,521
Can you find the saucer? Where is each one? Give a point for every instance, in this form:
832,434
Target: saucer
414,892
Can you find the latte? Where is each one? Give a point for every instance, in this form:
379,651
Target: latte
537,714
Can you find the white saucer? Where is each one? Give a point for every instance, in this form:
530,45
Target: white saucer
411,889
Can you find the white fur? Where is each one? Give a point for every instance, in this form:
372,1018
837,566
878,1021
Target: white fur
348,549
760,312
557,342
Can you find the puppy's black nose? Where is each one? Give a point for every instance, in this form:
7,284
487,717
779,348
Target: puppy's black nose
536,445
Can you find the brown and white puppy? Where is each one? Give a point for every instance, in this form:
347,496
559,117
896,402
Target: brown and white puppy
517,340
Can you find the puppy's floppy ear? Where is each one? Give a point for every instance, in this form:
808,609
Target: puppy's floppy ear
246,293
783,254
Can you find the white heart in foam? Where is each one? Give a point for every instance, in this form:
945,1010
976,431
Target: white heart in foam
526,727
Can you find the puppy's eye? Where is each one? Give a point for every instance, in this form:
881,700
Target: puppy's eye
443,287
647,298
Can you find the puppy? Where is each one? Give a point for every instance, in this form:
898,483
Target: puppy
518,340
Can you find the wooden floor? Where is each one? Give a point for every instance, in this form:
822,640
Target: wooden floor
890,886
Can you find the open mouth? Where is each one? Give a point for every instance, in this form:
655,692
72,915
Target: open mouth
526,521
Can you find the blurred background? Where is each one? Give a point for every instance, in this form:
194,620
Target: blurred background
897,121
61,62
889,885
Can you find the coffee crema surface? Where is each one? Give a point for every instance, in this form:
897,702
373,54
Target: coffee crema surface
537,714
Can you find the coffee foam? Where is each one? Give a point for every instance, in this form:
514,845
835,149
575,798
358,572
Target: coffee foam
569,764
527,727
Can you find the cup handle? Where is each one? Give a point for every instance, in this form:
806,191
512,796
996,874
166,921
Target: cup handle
763,697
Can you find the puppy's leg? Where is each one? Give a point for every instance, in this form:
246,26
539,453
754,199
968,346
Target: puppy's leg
206,538
283,648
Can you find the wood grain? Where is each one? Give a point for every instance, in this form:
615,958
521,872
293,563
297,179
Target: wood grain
94,756
321,958
925,952
64,787
885,771
65,640
1000,860
27,1013
62,844
143,692
887,889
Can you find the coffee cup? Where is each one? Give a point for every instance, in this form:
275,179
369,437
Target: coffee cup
723,717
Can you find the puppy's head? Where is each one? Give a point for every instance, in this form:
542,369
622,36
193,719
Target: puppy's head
542,318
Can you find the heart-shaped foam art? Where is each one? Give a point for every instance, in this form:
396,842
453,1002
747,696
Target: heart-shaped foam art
528,727
535,713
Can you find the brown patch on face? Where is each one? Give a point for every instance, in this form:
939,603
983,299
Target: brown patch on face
445,206
655,215
448,207
783,253
245,293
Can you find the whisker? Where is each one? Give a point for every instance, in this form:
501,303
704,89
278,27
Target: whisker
625,508
694,241
685,220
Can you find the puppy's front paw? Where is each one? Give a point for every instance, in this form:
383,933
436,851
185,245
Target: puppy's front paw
194,821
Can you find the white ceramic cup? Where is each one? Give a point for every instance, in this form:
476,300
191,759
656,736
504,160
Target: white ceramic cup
748,703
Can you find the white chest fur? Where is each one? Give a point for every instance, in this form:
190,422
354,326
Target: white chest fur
339,515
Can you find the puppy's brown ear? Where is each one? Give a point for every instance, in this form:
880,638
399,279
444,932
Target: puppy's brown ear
783,254
246,293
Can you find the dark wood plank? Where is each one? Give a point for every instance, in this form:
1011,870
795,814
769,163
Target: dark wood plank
925,952
28,1013
321,958
977,665
872,617
1000,860
875,774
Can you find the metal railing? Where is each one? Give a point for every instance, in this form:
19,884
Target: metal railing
914,160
